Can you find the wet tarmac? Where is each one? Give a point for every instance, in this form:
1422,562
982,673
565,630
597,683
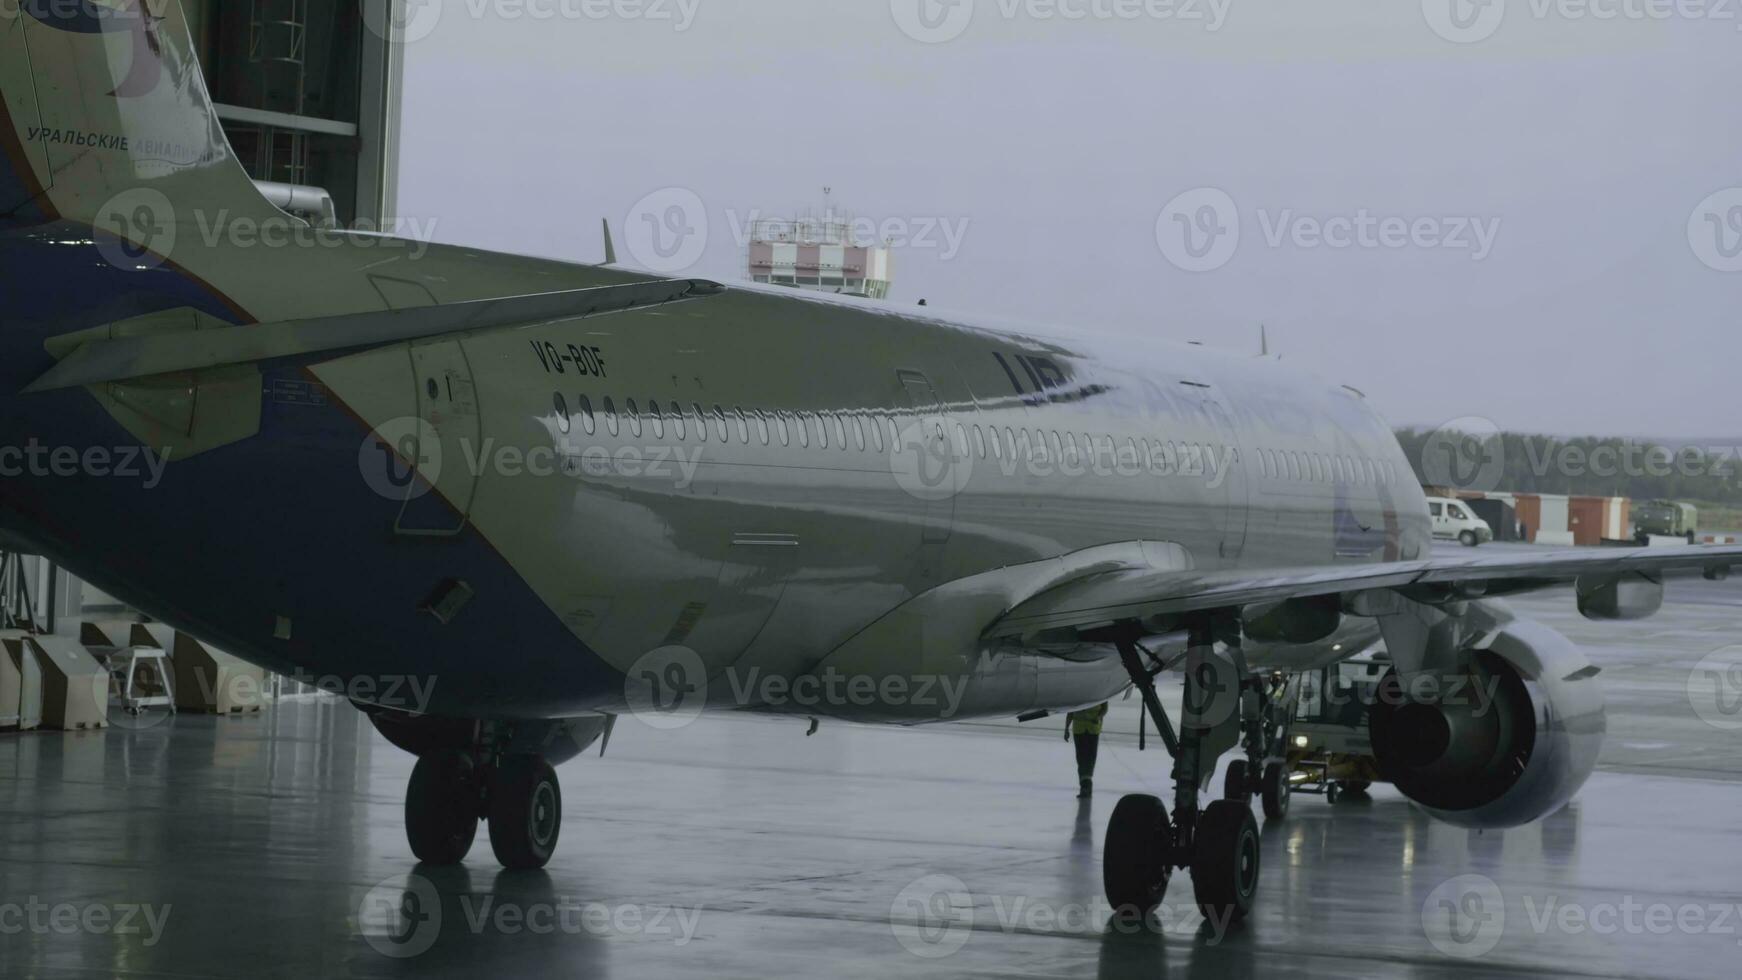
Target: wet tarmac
737,847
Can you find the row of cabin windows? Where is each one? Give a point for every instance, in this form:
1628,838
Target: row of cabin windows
877,432
1285,464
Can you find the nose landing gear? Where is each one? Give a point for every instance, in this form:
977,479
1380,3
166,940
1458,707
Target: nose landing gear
1224,704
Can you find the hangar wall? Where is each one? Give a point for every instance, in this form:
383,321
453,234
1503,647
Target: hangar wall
309,94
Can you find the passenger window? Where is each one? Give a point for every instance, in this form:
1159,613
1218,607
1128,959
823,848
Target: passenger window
822,424
634,418
801,422
877,431
701,421
859,432
743,426
658,420
762,427
840,432
587,420
997,444
785,432
561,405
611,423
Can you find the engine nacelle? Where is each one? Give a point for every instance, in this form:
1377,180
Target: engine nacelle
1507,745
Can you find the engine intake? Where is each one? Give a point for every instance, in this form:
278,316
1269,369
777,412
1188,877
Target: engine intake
1507,744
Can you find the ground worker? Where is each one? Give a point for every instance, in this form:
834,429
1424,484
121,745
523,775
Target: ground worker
1085,727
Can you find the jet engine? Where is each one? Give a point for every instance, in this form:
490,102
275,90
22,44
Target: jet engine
1505,743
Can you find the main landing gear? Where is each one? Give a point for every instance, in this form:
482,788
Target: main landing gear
451,792
1225,705
499,774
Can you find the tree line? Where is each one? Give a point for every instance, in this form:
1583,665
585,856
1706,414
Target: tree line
1583,466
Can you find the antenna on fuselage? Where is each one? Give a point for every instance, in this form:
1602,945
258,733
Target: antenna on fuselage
1263,341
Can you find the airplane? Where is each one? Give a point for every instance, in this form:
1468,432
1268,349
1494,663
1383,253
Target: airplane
565,493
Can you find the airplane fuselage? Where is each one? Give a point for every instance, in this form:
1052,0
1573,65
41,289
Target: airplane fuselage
772,481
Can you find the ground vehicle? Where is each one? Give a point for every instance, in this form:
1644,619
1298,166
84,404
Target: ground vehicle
1665,518
1454,519
1329,748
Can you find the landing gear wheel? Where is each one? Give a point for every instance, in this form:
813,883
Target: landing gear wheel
1135,857
1334,794
441,808
1235,785
526,812
1468,539
1276,791
1225,870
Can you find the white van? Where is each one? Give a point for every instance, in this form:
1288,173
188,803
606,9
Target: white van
1454,519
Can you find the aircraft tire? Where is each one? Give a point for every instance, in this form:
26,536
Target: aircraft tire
1226,867
441,808
526,812
1234,784
1276,791
1136,855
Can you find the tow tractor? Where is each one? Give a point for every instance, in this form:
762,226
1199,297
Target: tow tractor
1329,750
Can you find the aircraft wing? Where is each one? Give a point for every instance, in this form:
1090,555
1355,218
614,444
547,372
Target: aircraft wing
105,359
1137,593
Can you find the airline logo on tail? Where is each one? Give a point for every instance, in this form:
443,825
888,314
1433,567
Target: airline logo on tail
138,18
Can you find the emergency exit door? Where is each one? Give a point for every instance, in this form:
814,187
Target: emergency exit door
447,442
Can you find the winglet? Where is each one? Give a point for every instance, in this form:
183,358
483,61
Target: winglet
610,246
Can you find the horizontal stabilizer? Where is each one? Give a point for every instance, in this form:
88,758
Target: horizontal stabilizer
124,358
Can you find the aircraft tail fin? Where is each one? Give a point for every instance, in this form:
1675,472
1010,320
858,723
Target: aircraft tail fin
107,122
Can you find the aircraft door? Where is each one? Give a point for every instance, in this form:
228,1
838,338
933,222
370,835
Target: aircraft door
447,442
1230,470
928,463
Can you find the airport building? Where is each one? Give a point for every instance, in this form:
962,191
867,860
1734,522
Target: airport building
824,255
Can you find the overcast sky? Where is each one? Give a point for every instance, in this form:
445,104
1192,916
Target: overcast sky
1521,195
